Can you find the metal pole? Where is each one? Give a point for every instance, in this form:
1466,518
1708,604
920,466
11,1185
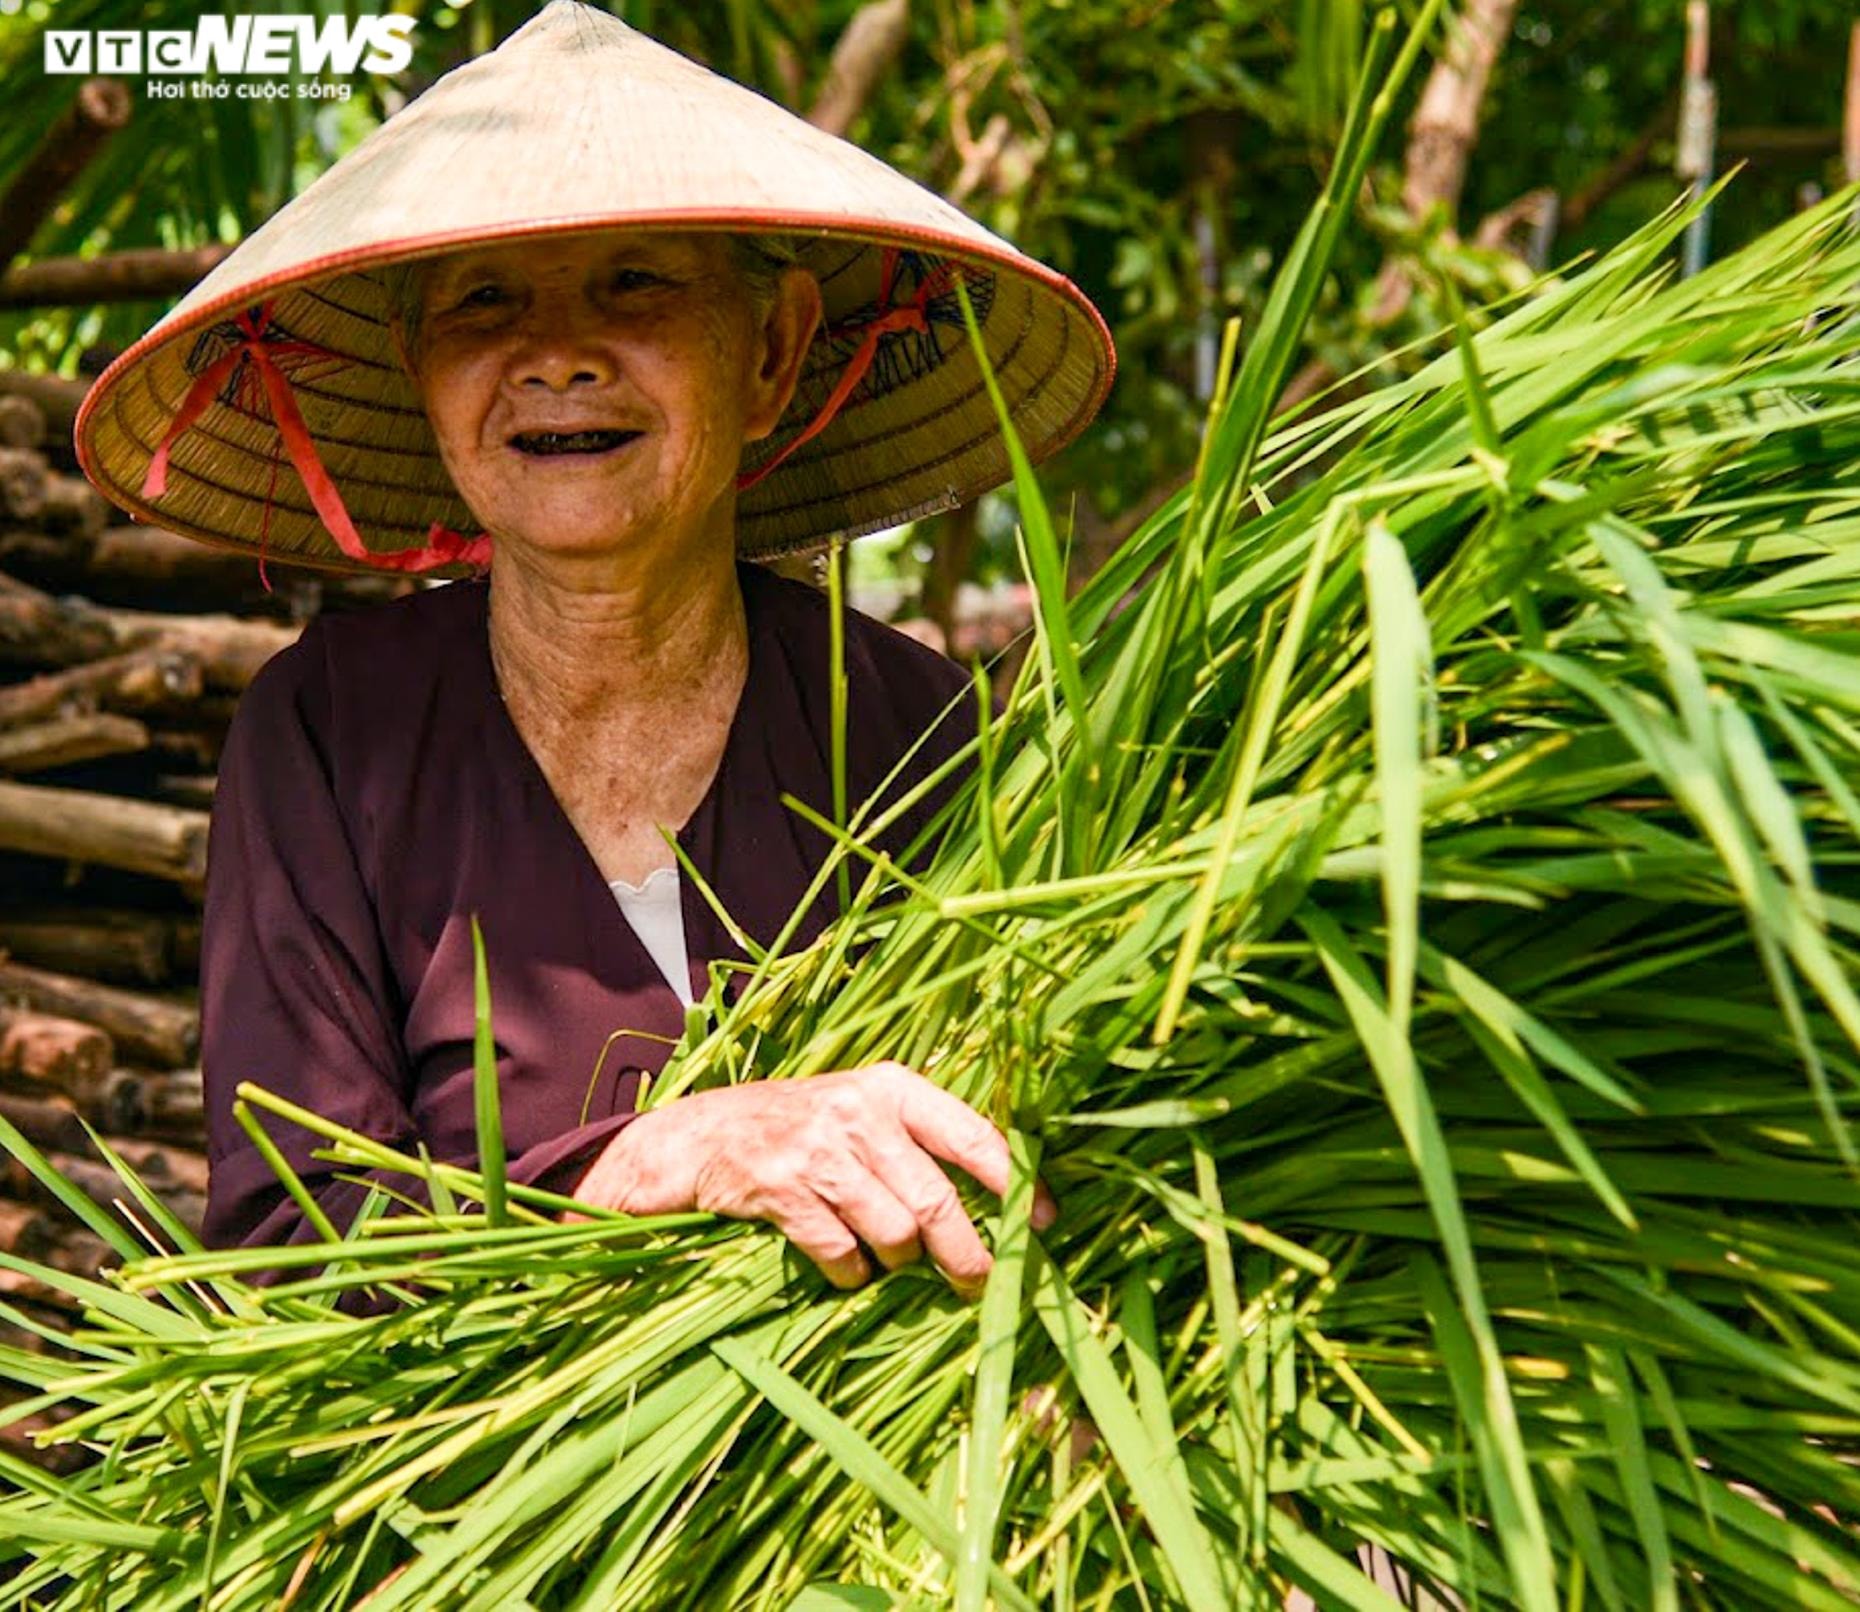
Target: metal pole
1207,336
1698,130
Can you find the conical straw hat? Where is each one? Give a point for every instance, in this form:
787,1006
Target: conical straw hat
292,431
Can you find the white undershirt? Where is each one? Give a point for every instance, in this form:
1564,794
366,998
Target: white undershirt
657,917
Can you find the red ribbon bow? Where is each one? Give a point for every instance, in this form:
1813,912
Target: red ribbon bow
443,545
912,315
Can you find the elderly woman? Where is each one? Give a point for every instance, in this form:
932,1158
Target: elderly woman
518,746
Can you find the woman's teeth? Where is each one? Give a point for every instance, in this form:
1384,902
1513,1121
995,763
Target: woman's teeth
555,442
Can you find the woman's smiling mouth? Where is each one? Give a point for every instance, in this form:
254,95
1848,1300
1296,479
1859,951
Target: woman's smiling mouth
571,444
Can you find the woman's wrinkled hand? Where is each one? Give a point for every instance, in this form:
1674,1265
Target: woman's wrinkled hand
832,1161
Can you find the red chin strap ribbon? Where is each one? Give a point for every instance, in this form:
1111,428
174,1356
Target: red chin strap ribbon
265,351
911,315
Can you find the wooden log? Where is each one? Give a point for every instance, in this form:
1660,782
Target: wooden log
45,559
52,1050
71,504
230,651
67,739
351,589
113,1103
162,1163
24,1230
138,681
80,1253
149,1029
24,481
129,565
154,555
98,1182
100,107
133,948
22,423
39,630
50,1122
197,749
140,274
18,1288
187,789
58,399
187,944
173,1103
60,1460
36,628
142,836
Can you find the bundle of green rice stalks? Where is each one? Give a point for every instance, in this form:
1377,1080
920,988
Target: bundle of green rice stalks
1406,913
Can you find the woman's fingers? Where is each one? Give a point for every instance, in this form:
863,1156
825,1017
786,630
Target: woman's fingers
874,1211
929,1197
945,1125
813,1226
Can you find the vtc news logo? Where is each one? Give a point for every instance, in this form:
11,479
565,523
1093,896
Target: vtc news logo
248,45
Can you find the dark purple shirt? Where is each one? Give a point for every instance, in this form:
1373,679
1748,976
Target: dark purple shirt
373,794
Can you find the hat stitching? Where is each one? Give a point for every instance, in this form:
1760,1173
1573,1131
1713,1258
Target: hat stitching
233,448
988,435
908,355
890,315
1003,362
261,347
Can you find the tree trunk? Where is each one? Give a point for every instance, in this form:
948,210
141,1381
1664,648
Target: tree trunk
1446,123
144,274
952,551
1440,143
101,107
866,50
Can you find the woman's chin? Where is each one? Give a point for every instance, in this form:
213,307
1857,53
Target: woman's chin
567,541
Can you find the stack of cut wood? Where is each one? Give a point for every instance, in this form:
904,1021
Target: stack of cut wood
123,650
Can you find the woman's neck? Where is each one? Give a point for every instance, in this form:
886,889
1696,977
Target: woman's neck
572,656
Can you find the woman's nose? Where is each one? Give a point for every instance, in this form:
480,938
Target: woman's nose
559,344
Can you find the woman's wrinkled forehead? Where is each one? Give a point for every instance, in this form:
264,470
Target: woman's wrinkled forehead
719,258
566,254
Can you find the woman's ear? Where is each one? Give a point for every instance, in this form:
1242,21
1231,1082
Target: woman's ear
786,332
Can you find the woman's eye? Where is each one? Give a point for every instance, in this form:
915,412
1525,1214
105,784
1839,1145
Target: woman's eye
479,296
635,279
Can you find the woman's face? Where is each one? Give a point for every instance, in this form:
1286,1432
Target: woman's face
650,342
